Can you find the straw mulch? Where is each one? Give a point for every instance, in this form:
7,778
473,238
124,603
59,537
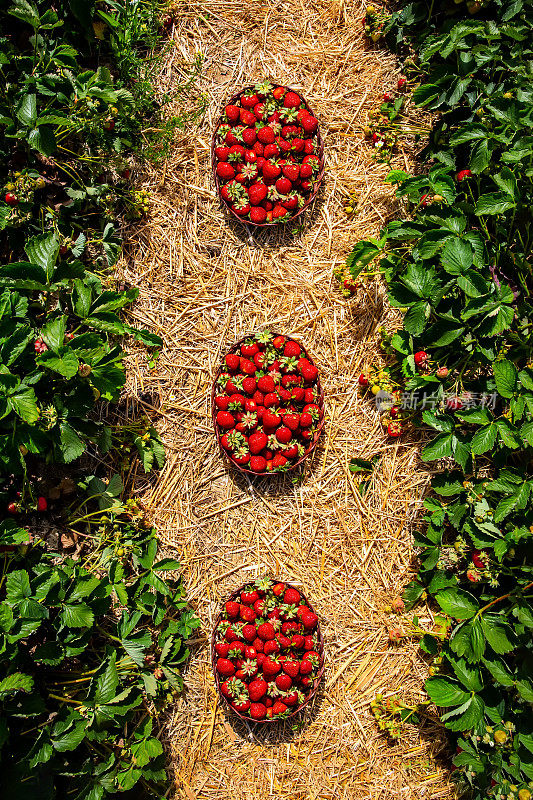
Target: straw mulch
205,282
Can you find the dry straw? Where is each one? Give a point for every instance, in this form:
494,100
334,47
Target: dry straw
204,282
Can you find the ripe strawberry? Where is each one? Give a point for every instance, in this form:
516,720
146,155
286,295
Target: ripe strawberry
278,92
259,150
247,614
259,606
271,170
271,150
249,385
11,199
258,711
309,124
308,371
258,464
250,652
257,192
232,609
247,366
259,398
232,112
462,174
454,404
225,170
284,435
266,134
266,631
249,136
279,461
271,420
248,669
249,597
309,147
309,642
394,412
292,349
266,384
232,362
42,504
271,647
306,667
272,400
225,420
257,689
242,706
247,117
250,156
291,667
283,185
297,641
259,111
278,589
222,152
258,215
257,442
394,429
297,145
270,667
222,649
292,100
292,596
310,395
279,708
309,620
297,394
421,358
288,627
387,97
249,100
306,420
478,558
249,633
291,451
283,641
225,667
363,380
401,82
279,211
13,508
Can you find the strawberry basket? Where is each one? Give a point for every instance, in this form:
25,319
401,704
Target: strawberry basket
267,154
267,651
267,404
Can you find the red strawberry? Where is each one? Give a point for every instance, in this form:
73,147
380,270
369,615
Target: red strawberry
232,113
258,215
246,117
284,682
309,124
291,421
292,100
292,596
297,145
309,620
308,642
297,641
266,134
222,153
250,156
309,147
225,667
306,667
291,667
283,185
257,192
310,395
237,649
279,211
271,420
283,641
266,631
478,558
271,170
236,153
249,632
249,100
258,464
272,400
288,627
258,644
232,609
271,150
249,385
247,669
279,461
222,402
289,131
247,614
247,367
225,170
259,606
307,370
270,667
257,689
394,429
249,136
291,451
232,362
298,394
249,598
278,92
258,148
225,420
292,349
284,435
257,442
306,682
421,358
266,384
279,708
259,398
401,82
271,647
292,699
242,706
250,652
464,173
306,420
258,711
259,111
222,649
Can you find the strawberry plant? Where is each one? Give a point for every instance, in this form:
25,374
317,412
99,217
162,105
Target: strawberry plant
459,265
267,651
267,404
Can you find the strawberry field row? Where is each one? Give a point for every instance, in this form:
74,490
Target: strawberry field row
460,265
92,628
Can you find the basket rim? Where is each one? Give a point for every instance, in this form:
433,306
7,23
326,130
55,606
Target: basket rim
320,403
318,677
319,178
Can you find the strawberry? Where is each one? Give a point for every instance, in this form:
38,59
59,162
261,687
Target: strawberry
231,191
247,366
266,384
225,667
297,641
271,647
271,667
232,362
297,394
306,171
309,147
308,642
309,124
289,627
308,371
236,153
442,372
473,575
11,199
462,174
278,92
394,429
258,215
289,131
283,185
292,349
279,211
363,380
247,117
257,442
232,609
249,386
259,111
258,149
306,667
257,192
250,156
242,706
258,711
292,100
257,689
222,402
250,652
249,632
266,631
225,420
249,136
249,100
225,171
222,152
283,641
247,614
278,589
297,145
291,667
310,396
401,82
479,559
272,400
258,464
258,644
279,461
266,134
259,398
259,606
306,682
271,170
222,649
309,620
421,358
291,596
249,597
271,150
271,420
279,708
232,112
248,669
284,435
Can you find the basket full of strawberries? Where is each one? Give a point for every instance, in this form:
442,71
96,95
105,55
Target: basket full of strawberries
267,154
267,404
267,651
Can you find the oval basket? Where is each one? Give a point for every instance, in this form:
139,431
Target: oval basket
319,176
316,682
319,403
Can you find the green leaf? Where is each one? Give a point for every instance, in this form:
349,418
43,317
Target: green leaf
18,586
484,439
466,716
16,682
27,110
72,446
43,251
457,603
495,203
446,692
497,633
440,447
66,364
53,332
506,376
107,682
456,256
77,615
24,404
